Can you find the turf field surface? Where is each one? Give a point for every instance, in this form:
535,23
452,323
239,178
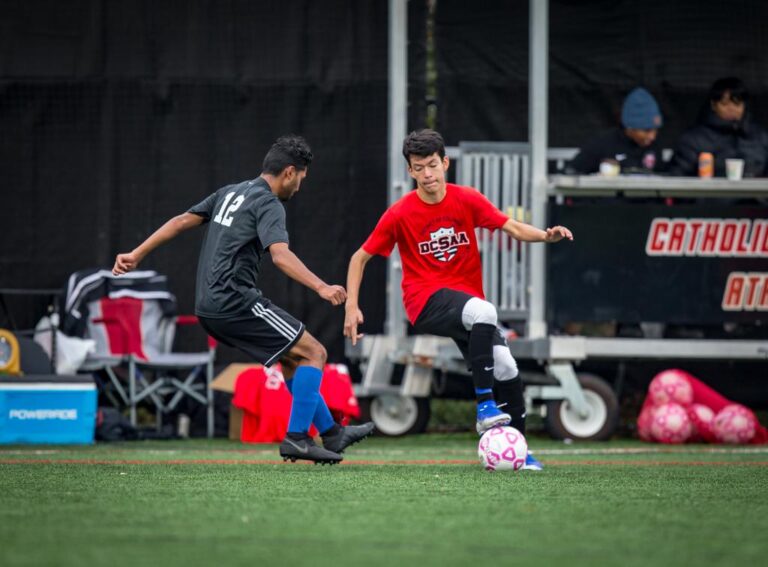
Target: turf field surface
422,500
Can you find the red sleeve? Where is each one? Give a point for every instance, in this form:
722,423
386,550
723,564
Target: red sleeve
382,240
484,213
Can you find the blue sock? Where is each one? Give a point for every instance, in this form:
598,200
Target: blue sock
483,395
306,394
322,418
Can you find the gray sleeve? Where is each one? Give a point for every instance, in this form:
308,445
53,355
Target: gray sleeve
205,207
270,223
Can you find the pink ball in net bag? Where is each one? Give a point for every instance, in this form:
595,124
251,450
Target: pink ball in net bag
735,424
702,419
670,386
644,421
670,424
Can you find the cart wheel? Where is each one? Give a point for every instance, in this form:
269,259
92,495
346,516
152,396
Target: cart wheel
601,421
395,415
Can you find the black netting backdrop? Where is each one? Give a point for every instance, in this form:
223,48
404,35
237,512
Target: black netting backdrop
417,63
599,51
118,115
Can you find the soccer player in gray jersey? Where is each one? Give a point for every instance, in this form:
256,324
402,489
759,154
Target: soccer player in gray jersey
245,221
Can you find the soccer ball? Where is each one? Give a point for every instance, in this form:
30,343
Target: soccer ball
644,421
671,424
670,386
502,449
702,418
735,424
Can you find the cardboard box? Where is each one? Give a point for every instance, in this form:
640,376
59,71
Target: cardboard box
225,382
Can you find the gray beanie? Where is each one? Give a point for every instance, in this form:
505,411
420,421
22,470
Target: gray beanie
640,111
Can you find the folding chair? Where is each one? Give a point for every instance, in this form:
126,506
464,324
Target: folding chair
134,328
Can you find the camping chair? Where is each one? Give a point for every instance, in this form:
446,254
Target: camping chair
134,329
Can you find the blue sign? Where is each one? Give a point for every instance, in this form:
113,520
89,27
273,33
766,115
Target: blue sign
42,412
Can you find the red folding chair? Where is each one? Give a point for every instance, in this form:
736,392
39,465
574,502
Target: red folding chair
137,332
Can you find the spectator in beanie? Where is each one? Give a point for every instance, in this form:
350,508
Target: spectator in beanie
726,130
632,146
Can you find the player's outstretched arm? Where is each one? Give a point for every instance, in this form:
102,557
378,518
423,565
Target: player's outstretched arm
288,263
130,260
527,233
354,316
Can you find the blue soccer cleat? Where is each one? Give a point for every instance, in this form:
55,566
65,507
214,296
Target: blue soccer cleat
489,416
532,464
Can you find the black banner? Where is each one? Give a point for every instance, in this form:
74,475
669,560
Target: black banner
116,116
598,52
683,264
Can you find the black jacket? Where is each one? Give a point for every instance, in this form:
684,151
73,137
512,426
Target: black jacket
615,145
724,139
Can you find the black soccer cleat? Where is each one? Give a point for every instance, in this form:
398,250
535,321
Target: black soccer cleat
304,449
347,436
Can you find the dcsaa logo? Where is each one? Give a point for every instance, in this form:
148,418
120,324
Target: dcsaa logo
444,243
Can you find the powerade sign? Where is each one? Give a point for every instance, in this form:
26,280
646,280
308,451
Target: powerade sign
47,413
24,414
633,261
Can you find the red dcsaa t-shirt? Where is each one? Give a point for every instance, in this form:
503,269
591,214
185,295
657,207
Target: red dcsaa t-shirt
437,243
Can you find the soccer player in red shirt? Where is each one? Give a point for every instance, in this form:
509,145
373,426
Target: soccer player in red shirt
434,229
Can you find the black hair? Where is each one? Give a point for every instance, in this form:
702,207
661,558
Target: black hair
734,86
287,150
423,143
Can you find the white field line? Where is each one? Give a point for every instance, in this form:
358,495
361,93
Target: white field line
30,451
656,450
652,450
660,449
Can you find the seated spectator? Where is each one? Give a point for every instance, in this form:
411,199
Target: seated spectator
726,130
632,146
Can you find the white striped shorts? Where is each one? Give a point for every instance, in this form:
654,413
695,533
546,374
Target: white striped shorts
265,332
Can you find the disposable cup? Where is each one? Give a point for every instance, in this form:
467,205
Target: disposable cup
734,169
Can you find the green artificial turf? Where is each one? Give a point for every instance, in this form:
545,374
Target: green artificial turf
222,503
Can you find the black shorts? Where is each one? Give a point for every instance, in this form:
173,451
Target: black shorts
441,316
265,332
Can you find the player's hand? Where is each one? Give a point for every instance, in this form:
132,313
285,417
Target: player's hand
557,233
334,294
353,318
124,263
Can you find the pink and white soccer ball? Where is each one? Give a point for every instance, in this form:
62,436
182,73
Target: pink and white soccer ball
502,449
644,421
735,424
670,386
671,424
702,418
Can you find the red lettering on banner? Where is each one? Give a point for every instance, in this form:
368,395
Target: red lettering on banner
741,244
762,302
695,225
764,244
751,294
734,288
710,237
746,291
657,237
676,238
727,238
757,232
707,237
